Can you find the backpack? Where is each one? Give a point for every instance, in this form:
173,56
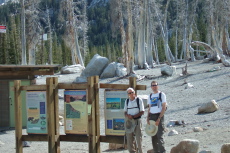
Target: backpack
138,105
159,99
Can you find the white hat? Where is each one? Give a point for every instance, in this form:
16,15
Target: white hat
129,125
151,128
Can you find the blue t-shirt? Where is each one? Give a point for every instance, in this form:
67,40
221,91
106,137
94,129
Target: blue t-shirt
155,103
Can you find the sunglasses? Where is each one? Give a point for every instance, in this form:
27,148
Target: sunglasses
154,85
130,92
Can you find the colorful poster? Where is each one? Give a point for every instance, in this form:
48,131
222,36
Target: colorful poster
114,112
76,112
36,112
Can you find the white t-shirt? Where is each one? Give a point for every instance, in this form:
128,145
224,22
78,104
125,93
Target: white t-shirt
132,108
154,102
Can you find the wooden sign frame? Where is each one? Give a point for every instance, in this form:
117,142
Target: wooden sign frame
53,137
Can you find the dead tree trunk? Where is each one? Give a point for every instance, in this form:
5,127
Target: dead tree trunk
129,40
122,31
141,38
50,39
23,33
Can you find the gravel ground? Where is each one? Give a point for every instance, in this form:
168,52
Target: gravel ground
183,105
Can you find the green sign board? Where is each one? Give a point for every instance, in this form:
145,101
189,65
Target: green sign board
36,112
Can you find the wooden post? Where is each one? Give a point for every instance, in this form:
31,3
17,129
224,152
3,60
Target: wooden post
133,83
50,115
56,117
97,107
91,117
18,116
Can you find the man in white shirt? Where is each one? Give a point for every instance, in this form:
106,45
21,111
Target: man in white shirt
134,109
157,106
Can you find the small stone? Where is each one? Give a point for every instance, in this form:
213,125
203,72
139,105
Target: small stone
198,129
1,143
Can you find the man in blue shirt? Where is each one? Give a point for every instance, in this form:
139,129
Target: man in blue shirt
157,106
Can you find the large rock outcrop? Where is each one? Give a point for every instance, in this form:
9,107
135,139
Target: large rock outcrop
121,70
225,148
109,71
208,107
95,66
72,69
168,70
186,146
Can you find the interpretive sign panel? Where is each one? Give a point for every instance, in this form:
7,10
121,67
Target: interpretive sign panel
36,112
114,112
76,111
